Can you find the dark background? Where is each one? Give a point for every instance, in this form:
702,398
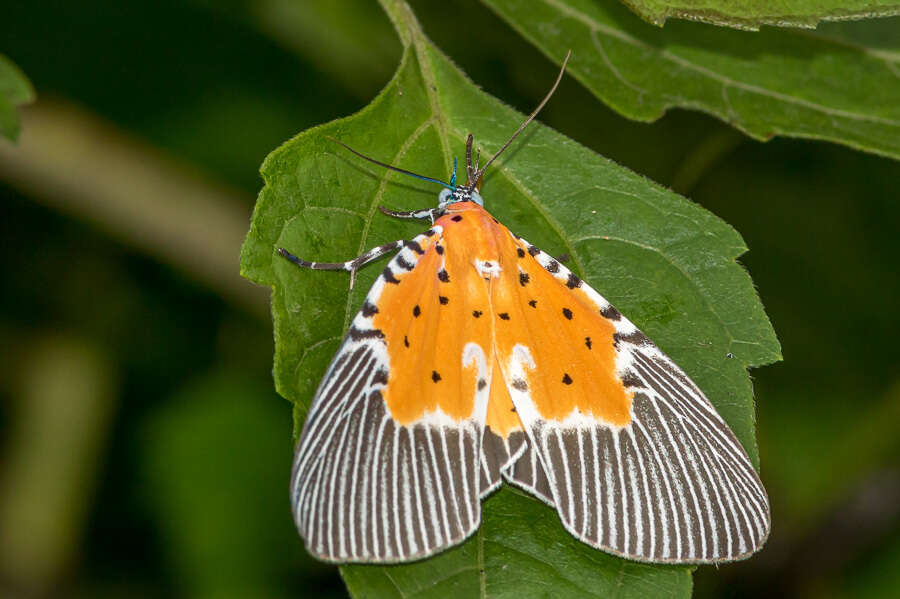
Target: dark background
144,450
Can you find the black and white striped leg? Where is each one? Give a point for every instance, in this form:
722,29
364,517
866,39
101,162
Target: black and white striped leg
350,265
429,213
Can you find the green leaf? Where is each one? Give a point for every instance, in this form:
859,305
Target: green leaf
15,90
750,14
822,84
665,262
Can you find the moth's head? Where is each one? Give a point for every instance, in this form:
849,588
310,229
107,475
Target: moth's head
460,193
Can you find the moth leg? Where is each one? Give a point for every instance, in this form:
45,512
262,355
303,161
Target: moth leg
350,265
426,213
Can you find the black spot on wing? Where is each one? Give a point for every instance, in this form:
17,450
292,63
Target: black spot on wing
552,266
380,376
389,277
587,341
519,384
566,378
636,338
523,278
610,313
573,282
444,276
630,379
503,316
532,303
404,264
444,300
567,313
414,246
435,376
356,334
439,248
520,252
456,218
405,340
481,384
369,309
533,251
477,313
417,311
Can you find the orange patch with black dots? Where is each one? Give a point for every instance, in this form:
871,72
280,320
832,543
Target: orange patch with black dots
428,319
572,345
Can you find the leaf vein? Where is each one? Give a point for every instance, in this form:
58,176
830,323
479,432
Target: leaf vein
552,566
551,222
373,206
703,294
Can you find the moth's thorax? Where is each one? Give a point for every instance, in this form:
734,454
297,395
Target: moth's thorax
469,229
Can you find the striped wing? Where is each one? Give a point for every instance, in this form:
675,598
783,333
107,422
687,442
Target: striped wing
632,454
389,466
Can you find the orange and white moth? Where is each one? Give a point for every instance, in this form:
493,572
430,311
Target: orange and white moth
477,358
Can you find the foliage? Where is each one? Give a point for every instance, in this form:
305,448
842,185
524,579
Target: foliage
817,85
15,90
665,262
750,14
188,489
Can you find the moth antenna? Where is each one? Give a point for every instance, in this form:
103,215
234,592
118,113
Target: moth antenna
388,166
529,119
470,171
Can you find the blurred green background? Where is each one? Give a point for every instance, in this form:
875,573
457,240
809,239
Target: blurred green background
143,450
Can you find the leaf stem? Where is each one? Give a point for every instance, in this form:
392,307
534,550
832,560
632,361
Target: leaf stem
404,20
411,34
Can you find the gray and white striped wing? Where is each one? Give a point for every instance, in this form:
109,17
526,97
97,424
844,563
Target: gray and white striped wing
673,485
365,488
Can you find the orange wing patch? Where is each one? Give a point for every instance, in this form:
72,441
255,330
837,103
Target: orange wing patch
470,239
427,319
502,417
570,343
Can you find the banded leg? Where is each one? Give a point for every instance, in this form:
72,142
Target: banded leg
426,213
350,265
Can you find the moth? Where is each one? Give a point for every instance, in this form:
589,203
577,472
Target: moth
478,359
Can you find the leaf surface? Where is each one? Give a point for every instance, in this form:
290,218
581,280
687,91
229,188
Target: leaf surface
665,262
839,83
15,90
750,14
